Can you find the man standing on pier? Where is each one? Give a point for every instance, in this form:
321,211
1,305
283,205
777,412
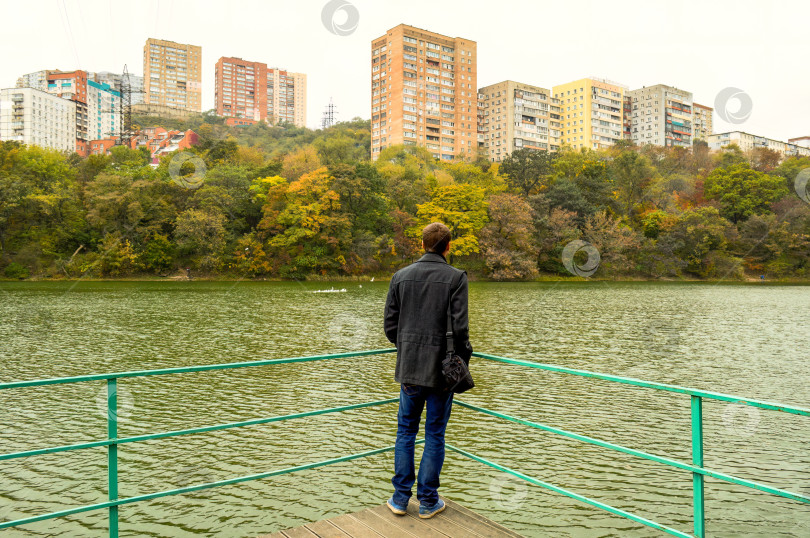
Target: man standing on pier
415,320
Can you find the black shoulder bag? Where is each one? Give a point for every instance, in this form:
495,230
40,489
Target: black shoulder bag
456,373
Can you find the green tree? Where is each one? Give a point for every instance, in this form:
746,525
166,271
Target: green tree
743,192
632,173
200,235
409,175
40,216
527,170
157,255
700,238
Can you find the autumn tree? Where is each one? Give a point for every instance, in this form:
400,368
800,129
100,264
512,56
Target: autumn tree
616,242
300,162
463,209
507,241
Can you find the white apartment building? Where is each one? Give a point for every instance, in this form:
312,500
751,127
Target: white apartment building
37,80
512,116
35,117
803,141
103,111
748,142
661,115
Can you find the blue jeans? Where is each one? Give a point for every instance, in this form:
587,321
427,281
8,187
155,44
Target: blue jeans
412,399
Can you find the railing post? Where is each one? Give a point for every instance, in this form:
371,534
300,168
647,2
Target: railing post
697,460
112,453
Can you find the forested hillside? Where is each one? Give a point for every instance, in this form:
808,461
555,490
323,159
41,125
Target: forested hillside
286,202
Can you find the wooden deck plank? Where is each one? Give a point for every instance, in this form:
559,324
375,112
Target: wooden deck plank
469,514
455,521
409,522
300,532
325,529
354,527
386,526
452,525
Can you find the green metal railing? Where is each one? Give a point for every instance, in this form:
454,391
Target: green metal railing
112,442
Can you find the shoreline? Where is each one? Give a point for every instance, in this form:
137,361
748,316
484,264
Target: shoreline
386,278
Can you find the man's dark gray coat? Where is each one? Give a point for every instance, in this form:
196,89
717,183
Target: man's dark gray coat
416,317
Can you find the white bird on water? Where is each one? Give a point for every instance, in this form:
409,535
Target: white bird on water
331,290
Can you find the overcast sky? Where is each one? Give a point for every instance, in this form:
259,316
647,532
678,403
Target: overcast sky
700,46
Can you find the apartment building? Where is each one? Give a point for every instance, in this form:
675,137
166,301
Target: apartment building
748,142
702,121
171,74
103,111
591,112
37,80
555,124
286,97
514,115
240,88
802,141
627,115
72,85
36,117
424,92
115,81
661,116
251,91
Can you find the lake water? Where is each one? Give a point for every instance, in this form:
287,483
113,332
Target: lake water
751,340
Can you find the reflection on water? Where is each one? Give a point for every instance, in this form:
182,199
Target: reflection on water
744,339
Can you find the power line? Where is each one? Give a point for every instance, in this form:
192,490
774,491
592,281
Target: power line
70,32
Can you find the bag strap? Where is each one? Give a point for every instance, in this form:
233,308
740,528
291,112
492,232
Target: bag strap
450,349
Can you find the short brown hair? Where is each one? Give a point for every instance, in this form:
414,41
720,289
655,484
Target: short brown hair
436,236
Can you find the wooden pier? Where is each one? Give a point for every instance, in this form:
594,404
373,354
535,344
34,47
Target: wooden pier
454,522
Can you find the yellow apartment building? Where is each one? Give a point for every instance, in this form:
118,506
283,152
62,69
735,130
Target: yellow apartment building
591,111
171,74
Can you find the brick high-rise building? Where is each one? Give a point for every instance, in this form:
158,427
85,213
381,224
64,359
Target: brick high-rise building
171,74
592,111
515,116
253,91
424,92
72,85
240,88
